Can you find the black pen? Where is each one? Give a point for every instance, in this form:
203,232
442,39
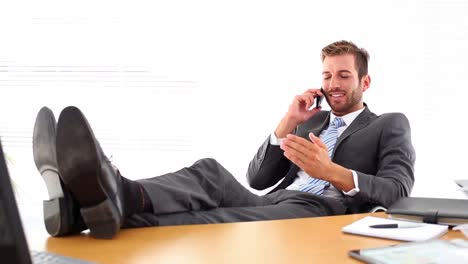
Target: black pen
401,225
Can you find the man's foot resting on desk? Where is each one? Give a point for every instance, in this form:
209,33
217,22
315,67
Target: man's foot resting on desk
105,197
61,212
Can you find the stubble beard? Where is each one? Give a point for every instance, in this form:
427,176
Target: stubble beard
351,102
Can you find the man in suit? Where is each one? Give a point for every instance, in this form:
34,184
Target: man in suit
327,163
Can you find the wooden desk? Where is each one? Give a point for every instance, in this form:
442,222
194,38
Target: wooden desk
307,240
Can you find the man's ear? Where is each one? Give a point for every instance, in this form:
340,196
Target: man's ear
366,80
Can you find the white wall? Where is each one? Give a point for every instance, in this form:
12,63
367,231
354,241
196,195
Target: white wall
167,82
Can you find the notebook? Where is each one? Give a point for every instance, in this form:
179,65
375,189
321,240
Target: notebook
13,246
421,233
430,210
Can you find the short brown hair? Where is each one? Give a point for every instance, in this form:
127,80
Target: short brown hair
361,56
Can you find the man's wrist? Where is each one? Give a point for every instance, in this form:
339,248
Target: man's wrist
341,177
286,126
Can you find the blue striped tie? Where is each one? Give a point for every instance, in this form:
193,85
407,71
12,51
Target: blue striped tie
317,186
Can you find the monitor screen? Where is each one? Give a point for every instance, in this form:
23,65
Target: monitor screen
13,247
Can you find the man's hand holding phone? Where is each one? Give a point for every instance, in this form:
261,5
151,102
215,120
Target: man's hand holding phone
301,109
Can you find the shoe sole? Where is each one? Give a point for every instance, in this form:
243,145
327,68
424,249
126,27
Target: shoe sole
44,154
79,163
57,214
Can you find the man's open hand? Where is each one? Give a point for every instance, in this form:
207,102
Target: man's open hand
311,156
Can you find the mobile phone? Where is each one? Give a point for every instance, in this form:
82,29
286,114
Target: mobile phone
319,99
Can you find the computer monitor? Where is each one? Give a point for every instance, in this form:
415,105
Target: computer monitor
13,246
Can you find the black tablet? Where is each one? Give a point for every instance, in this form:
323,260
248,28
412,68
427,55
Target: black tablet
431,251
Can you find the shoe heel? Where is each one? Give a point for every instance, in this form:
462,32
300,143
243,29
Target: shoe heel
55,218
52,181
103,220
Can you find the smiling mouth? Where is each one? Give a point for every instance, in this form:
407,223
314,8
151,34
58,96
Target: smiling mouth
336,95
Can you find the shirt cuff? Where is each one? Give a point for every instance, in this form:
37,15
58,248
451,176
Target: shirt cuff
274,140
355,190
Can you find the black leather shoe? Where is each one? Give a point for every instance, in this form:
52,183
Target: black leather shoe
61,212
89,175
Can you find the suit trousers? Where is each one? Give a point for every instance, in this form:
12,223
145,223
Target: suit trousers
207,193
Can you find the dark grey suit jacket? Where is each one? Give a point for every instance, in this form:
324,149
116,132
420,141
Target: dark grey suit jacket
378,148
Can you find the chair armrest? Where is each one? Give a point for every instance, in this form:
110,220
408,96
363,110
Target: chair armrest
377,208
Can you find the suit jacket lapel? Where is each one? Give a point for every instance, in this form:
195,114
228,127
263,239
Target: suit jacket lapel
316,130
361,121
